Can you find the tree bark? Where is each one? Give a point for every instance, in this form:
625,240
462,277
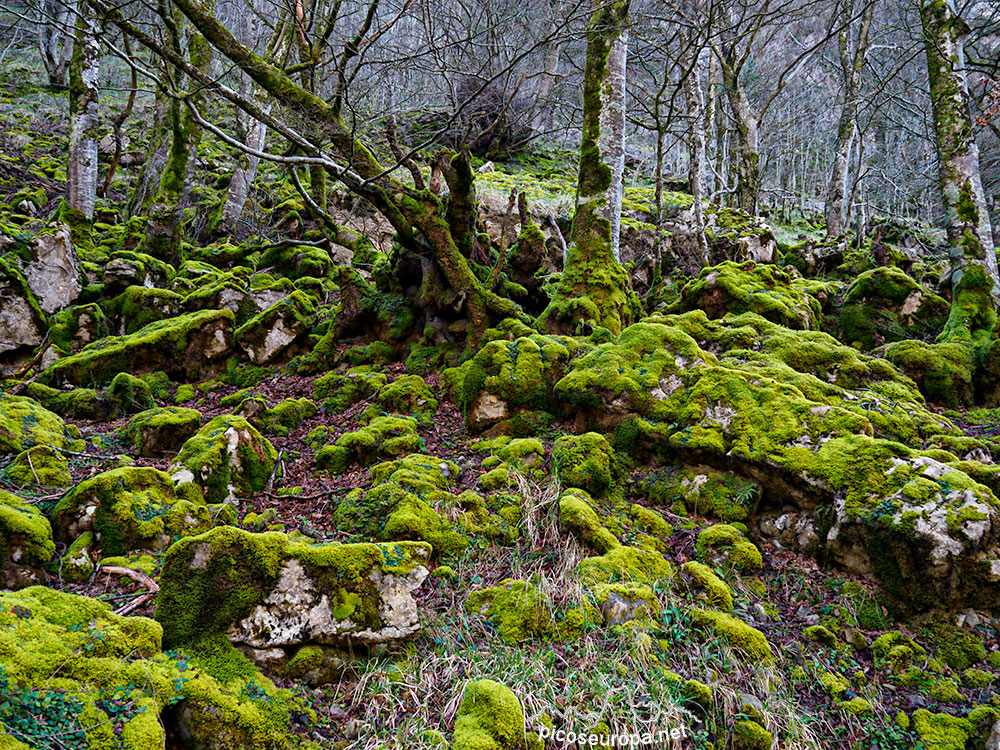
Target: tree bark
54,44
695,103
851,65
542,121
969,232
81,183
594,286
164,227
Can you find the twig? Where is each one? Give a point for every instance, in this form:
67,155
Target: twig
139,577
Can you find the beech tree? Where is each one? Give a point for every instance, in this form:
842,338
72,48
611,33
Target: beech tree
594,285
81,182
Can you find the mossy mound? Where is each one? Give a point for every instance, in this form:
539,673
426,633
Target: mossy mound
808,420
769,291
24,423
25,542
226,458
337,391
490,717
74,673
41,466
385,437
885,305
407,502
161,431
129,508
407,394
286,416
271,591
187,348
586,462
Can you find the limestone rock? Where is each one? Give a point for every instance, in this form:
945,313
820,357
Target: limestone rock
227,458
22,323
53,274
188,347
268,591
274,333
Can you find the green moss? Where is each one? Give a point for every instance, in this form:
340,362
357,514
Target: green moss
737,633
727,544
25,424
128,508
403,504
625,564
339,391
210,581
128,394
226,457
287,415
25,541
749,735
941,730
40,465
183,347
584,461
577,514
821,635
714,588
383,438
489,717
517,610
407,394
160,431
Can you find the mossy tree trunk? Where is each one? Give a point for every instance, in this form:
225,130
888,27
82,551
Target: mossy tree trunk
164,227
745,164
594,287
852,61
969,233
84,68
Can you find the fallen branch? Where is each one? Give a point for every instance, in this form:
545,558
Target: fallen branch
137,576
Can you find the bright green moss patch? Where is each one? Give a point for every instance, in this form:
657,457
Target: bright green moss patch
490,717
584,461
383,438
737,633
160,431
24,424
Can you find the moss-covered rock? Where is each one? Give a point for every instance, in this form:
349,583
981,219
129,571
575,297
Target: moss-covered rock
578,514
187,348
128,394
74,672
286,415
584,461
760,288
738,634
24,423
269,591
338,391
387,437
884,305
516,608
407,394
129,508
157,432
726,545
226,458
25,542
407,502
703,579
490,717
275,333
41,466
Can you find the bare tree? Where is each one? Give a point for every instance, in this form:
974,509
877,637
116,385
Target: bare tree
852,45
81,183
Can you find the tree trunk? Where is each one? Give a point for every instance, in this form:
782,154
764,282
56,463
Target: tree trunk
695,103
851,65
594,285
54,43
542,121
81,182
164,228
969,233
746,160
